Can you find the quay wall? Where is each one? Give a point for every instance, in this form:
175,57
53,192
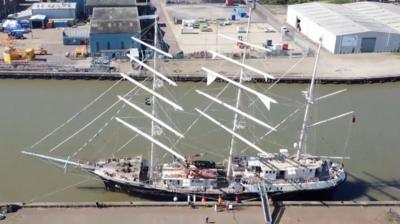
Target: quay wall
190,78
204,204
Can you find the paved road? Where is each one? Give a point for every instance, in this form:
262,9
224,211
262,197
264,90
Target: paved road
268,16
180,215
330,66
169,34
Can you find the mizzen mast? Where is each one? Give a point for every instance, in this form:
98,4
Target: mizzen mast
309,100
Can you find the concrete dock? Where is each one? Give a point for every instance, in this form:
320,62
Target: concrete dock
164,212
369,70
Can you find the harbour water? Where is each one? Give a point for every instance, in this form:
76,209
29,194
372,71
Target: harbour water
30,109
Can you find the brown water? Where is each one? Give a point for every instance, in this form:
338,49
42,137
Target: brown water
29,109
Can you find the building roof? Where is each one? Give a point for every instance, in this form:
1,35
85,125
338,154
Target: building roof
340,19
111,2
54,5
115,20
385,13
38,17
80,32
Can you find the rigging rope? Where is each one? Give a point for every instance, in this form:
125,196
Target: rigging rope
76,115
277,126
99,131
127,143
277,80
91,122
349,131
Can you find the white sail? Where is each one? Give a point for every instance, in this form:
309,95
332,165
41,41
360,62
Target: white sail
236,110
244,42
163,77
231,132
211,76
158,121
266,76
330,119
148,137
174,105
152,47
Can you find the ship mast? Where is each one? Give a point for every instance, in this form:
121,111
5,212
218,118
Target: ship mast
301,147
158,79
153,103
239,94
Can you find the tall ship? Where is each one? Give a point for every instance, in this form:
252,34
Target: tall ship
242,176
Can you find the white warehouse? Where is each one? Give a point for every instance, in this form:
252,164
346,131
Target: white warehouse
348,28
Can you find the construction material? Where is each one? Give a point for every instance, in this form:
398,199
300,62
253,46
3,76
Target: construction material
40,51
80,53
12,54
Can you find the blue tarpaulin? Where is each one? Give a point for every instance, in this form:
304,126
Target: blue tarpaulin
10,25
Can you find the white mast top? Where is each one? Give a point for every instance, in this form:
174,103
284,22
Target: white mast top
266,76
211,76
152,47
165,78
244,42
231,132
148,137
174,105
309,101
158,121
236,110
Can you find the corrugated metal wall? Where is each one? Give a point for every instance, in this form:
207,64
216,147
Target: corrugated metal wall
56,13
353,43
109,42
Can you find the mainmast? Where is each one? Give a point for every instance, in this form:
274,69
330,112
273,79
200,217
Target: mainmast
309,100
153,103
158,80
239,94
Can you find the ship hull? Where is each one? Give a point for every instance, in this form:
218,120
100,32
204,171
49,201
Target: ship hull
148,192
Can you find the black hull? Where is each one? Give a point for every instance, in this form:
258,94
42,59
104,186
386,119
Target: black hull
147,192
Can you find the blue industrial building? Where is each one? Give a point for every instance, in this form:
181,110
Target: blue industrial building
80,7
55,10
111,30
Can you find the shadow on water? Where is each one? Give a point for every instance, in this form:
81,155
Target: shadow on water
355,187
379,185
91,188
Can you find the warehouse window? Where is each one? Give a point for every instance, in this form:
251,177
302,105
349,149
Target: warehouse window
122,45
108,45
